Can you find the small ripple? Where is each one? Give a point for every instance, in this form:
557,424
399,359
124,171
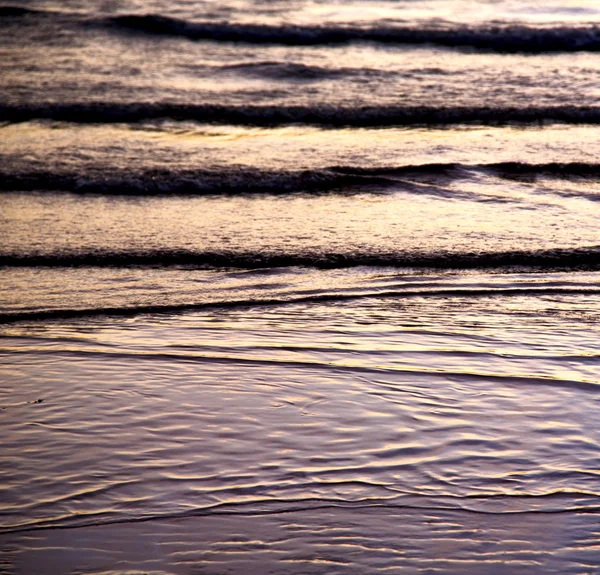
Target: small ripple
524,379
83,494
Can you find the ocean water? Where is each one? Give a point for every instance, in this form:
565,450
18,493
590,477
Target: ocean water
300,287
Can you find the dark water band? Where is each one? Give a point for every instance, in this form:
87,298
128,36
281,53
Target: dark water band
327,116
425,179
587,258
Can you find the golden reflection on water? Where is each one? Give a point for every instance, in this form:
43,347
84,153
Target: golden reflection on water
188,145
427,418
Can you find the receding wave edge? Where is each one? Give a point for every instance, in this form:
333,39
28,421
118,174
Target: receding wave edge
567,503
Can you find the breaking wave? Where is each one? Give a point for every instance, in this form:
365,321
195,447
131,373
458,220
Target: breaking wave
585,258
281,115
236,181
242,181
496,38
501,38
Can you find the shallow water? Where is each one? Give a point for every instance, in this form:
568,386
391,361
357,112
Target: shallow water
414,411
299,287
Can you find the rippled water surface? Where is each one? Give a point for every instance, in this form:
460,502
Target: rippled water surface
442,413
299,287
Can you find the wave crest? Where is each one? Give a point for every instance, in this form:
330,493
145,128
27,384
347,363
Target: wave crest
496,38
327,116
587,258
243,181
500,38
